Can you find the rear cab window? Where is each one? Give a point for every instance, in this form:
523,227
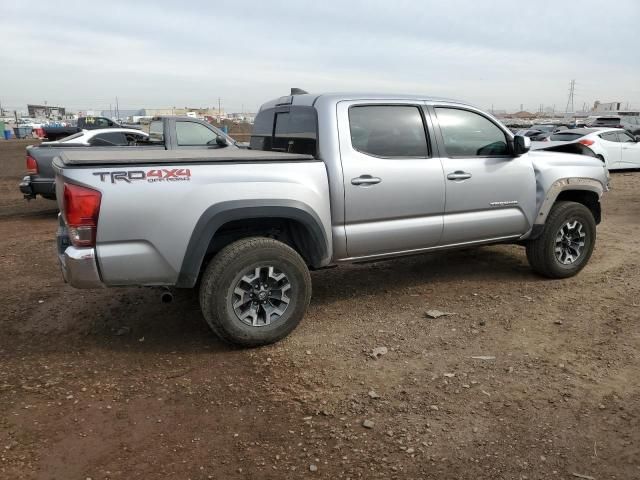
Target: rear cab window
292,129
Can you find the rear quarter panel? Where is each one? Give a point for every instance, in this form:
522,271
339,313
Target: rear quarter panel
145,226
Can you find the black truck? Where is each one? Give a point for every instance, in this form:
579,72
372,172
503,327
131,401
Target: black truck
84,123
165,133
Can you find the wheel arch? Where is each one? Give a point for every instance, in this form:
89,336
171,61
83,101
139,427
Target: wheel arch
586,191
226,222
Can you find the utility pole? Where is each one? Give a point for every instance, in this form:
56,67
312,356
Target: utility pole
521,107
117,110
219,108
572,88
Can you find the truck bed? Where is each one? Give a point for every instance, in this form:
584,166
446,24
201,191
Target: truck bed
130,157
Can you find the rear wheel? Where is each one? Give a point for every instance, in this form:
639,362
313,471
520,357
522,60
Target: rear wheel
255,291
566,243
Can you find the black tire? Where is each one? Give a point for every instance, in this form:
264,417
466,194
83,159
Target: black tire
541,252
239,260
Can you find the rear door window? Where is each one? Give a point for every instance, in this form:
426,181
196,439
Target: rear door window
388,131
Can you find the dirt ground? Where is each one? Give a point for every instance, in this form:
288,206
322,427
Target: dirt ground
526,379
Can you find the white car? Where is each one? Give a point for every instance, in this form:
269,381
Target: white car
616,147
103,137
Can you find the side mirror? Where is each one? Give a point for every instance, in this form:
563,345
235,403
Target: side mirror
521,145
220,141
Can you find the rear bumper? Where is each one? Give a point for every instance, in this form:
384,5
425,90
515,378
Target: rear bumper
31,187
79,266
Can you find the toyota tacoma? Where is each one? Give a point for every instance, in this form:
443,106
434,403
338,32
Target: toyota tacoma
328,179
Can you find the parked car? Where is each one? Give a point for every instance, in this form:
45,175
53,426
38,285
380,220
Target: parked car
53,133
528,132
329,179
165,133
546,130
617,148
104,137
542,131
630,123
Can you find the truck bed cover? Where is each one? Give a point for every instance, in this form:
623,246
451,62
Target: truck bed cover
177,156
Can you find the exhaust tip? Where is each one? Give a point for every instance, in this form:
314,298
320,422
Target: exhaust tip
166,297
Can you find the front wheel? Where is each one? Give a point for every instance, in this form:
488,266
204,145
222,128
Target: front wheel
566,242
255,291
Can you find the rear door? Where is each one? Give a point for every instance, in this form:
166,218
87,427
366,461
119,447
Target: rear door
490,194
394,187
630,151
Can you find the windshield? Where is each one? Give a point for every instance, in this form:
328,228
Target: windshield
565,136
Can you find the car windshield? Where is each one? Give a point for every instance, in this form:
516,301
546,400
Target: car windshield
565,136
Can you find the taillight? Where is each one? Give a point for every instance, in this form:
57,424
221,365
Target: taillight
32,165
81,208
586,142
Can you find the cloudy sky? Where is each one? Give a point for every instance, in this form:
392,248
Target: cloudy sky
168,53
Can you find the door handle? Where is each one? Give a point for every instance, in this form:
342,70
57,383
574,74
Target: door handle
365,180
458,175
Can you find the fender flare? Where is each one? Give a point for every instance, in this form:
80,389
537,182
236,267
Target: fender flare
564,184
219,214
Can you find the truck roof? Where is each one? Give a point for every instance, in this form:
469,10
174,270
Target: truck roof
311,99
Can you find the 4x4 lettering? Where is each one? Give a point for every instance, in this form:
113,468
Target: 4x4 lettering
154,174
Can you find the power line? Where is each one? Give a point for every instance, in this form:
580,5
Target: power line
572,88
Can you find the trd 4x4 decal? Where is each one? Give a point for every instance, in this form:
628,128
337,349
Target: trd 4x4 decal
152,176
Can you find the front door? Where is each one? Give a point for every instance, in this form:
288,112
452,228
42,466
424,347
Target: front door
490,194
630,155
613,149
394,187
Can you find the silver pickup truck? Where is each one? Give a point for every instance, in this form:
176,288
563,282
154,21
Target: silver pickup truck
328,179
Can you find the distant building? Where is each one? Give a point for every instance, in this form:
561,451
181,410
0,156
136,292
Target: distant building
183,112
242,117
606,107
123,114
45,111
